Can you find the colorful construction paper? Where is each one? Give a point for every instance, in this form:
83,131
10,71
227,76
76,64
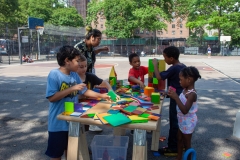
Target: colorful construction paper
117,119
101,115
137,119
76,114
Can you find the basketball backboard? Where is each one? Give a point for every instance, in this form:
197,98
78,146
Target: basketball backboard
33,22
225,38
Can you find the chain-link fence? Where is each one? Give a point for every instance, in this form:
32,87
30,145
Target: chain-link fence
149,46
45,47
38,47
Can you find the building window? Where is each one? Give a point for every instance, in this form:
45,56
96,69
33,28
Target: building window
141,32
180,25
101,19
173,32
173,25
101,25
180,31
137,31
160,32
147,32
173,20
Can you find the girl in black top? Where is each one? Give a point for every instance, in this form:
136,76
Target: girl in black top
92,39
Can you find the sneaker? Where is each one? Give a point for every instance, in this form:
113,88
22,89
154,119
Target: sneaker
94,128
168,152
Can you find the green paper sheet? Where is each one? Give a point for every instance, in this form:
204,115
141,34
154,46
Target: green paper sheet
117,119
130,108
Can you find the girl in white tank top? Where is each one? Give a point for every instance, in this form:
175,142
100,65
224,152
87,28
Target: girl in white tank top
186,107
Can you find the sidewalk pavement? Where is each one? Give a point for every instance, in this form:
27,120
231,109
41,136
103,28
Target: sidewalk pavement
24,108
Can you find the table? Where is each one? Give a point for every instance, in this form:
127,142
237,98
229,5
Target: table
77,143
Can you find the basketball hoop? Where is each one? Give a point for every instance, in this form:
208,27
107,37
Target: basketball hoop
40,29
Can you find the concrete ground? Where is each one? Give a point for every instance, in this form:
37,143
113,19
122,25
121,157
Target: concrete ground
24,108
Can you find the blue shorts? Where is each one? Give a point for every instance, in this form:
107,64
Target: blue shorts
57,144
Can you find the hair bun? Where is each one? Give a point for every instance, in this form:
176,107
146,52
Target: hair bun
88,28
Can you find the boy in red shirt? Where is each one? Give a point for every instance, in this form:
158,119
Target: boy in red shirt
137,72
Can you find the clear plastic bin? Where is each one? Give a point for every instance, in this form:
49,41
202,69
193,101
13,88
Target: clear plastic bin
108,147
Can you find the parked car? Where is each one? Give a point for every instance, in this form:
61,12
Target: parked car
54,51
8,47
3,46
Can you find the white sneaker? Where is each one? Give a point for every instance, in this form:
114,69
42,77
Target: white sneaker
94,128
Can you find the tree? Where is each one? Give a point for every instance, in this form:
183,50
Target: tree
220,15
31,8
7,16
94,10
123,17
51,11
66,17
151,14
7,10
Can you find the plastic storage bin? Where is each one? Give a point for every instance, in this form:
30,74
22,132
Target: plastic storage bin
107,147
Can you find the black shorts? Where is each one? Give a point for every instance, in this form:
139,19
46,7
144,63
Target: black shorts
57,144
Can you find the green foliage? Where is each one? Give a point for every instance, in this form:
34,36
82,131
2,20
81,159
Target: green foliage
120,21
93,12
66,17
205,34
192,41
215,34
40,9
7,10
123,17
221,15
18,11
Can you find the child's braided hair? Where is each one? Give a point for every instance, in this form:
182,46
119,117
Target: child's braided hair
190,72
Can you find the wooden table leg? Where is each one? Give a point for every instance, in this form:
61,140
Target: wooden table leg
155,137
139,145
77,143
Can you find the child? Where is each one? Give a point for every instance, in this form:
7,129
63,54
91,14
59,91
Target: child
30,60
63,85
137,72
171,55
91,80
209,51
24,58
186,107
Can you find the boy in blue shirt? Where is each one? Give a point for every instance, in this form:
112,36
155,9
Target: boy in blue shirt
171,55
63,85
